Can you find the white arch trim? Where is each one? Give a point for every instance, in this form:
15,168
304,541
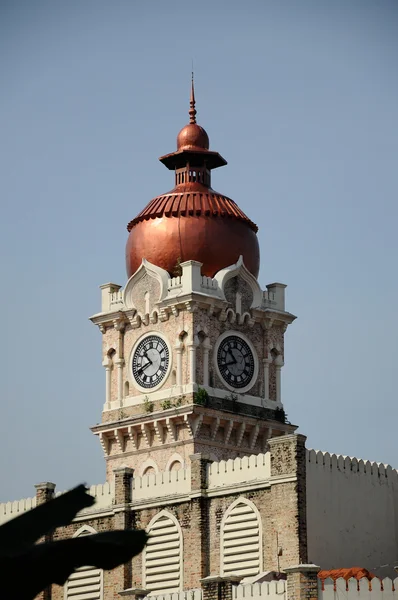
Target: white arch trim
239,269
175,458
148,463
241,500
168,515
84,529
154,271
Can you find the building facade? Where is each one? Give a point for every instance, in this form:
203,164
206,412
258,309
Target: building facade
197,446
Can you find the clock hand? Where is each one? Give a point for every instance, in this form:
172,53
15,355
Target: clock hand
143,368
230,363
233,358
147,357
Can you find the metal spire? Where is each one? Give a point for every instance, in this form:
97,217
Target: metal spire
192,109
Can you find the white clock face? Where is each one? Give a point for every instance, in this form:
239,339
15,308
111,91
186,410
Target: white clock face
235,361
150,362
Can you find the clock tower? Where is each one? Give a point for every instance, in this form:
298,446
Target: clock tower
192,347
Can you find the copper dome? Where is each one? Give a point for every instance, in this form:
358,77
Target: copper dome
192,137
192,221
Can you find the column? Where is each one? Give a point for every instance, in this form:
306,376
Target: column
178,349
219,588
122,575
206,349
266,364
192,361
278,365
119,362
302,582
288,501
44,493
107,363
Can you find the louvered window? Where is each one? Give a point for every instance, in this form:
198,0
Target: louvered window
241,540
163,556
85,583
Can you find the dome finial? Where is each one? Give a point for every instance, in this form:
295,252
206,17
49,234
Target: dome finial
192,109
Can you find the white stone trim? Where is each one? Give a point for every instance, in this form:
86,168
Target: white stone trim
154,584
148,463
255,357
238,528
88,576
239,269
153,271
147,391
174,458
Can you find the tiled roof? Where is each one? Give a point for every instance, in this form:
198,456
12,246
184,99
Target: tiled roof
353,572
189,203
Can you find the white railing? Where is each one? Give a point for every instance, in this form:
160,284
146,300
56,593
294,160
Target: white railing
209,283
239,470
189,595
10,510
267,590
165,483
175,282
115,298
375,589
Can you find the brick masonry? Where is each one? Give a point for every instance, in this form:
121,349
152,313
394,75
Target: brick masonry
281,506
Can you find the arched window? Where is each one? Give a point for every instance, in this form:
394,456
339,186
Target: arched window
241,548
149,467
85,583
175,463
163,555
149,471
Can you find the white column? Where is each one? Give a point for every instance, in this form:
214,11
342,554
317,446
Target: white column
206,350
266,364
107,363
278,365
119,362
178,349
192,361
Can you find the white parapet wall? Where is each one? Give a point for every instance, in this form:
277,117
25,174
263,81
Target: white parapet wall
10,510
103,493
239,470
165,483
188,595
376,589
352,513
267,590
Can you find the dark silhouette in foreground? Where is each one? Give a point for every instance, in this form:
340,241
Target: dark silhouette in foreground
28,567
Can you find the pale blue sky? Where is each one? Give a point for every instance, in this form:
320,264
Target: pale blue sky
300,97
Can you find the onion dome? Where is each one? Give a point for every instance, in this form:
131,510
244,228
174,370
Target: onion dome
192,221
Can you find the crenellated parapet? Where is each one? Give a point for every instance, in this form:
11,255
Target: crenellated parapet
350,464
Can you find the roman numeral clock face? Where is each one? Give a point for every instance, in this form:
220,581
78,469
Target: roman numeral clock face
150,361
235,362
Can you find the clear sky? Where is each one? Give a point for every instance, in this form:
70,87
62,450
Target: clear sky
300,97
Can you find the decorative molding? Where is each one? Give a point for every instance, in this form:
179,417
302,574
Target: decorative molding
119,439
146,434
241,433
104,443
132,436
146,268
239,269
159,431
171,428
214,427
253,436
228,431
